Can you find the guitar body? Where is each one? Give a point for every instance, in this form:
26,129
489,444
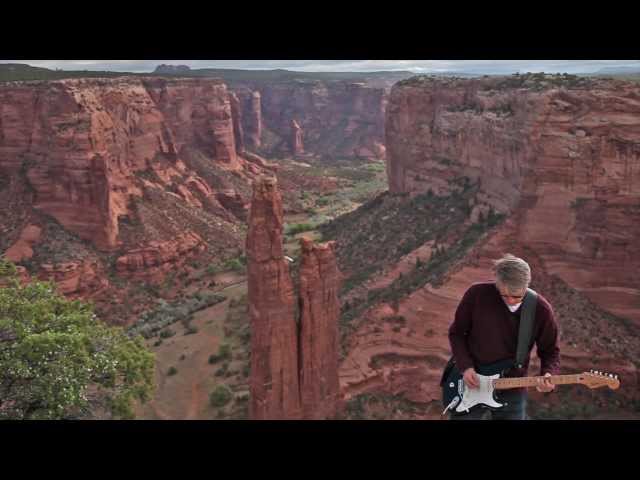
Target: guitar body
460,399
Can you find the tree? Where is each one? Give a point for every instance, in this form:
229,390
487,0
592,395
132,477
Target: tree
58,361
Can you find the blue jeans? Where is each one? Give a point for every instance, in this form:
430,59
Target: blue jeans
516,408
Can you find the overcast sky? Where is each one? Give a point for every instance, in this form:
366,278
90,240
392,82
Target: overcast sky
417,66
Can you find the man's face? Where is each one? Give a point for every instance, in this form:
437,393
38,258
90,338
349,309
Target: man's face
511,296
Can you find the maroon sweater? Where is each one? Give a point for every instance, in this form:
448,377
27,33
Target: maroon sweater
485,331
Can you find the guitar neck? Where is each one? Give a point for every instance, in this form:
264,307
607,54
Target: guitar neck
520,382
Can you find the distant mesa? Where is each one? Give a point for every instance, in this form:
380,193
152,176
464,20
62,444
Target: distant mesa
172,69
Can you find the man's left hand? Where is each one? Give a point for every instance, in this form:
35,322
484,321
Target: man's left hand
544,384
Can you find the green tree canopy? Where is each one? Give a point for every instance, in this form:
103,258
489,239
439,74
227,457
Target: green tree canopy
58,361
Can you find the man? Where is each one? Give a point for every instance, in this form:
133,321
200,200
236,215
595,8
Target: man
485,331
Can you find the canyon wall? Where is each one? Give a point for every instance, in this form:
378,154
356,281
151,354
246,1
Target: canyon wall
111,161
563,152
336,118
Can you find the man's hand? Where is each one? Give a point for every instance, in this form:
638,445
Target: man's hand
545,385
470,378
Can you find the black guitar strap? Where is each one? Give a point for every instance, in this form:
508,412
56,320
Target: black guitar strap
527,318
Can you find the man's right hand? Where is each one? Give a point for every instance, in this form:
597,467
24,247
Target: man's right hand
470,378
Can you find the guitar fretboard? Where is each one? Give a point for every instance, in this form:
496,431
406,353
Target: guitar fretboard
519,382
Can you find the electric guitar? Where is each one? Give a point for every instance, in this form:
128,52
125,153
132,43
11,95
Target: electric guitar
460,399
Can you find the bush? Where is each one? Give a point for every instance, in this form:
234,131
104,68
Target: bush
54,351
224,353
172,371
299,228
220,396
213,269
234,264
191,330
167,333
222,370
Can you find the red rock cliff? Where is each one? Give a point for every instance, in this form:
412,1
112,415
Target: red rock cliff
561,152
297,146
319,342
110,161
338,118
275,392
294,365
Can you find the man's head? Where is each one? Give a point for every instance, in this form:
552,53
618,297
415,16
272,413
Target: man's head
513,276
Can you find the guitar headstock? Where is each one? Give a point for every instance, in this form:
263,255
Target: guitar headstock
596,379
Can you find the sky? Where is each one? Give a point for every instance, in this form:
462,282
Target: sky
416,66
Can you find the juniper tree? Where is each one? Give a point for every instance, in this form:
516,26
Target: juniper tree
59,361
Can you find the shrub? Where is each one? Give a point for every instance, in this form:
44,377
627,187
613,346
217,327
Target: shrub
191,330
213,269
167,333
172,371
299,228
222,370
220,396
234,264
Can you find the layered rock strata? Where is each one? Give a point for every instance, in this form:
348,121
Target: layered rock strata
563,151
293,362
339,118
95,154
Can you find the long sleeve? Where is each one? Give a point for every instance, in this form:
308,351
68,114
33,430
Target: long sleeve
547,344
459,330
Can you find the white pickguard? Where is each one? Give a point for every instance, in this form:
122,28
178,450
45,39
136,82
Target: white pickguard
481,395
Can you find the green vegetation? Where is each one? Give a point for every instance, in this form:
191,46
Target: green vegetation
379,406
166,313
172,371
11,72
167,333
299,228
388,227
224,353
190,330
220,396
58,361
236,264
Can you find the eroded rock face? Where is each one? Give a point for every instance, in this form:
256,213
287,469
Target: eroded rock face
94,153
236,114
251,113
293,364
339,119
297,145
319,342
23,248
154,260
80,279
81,142
274,386
565,154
